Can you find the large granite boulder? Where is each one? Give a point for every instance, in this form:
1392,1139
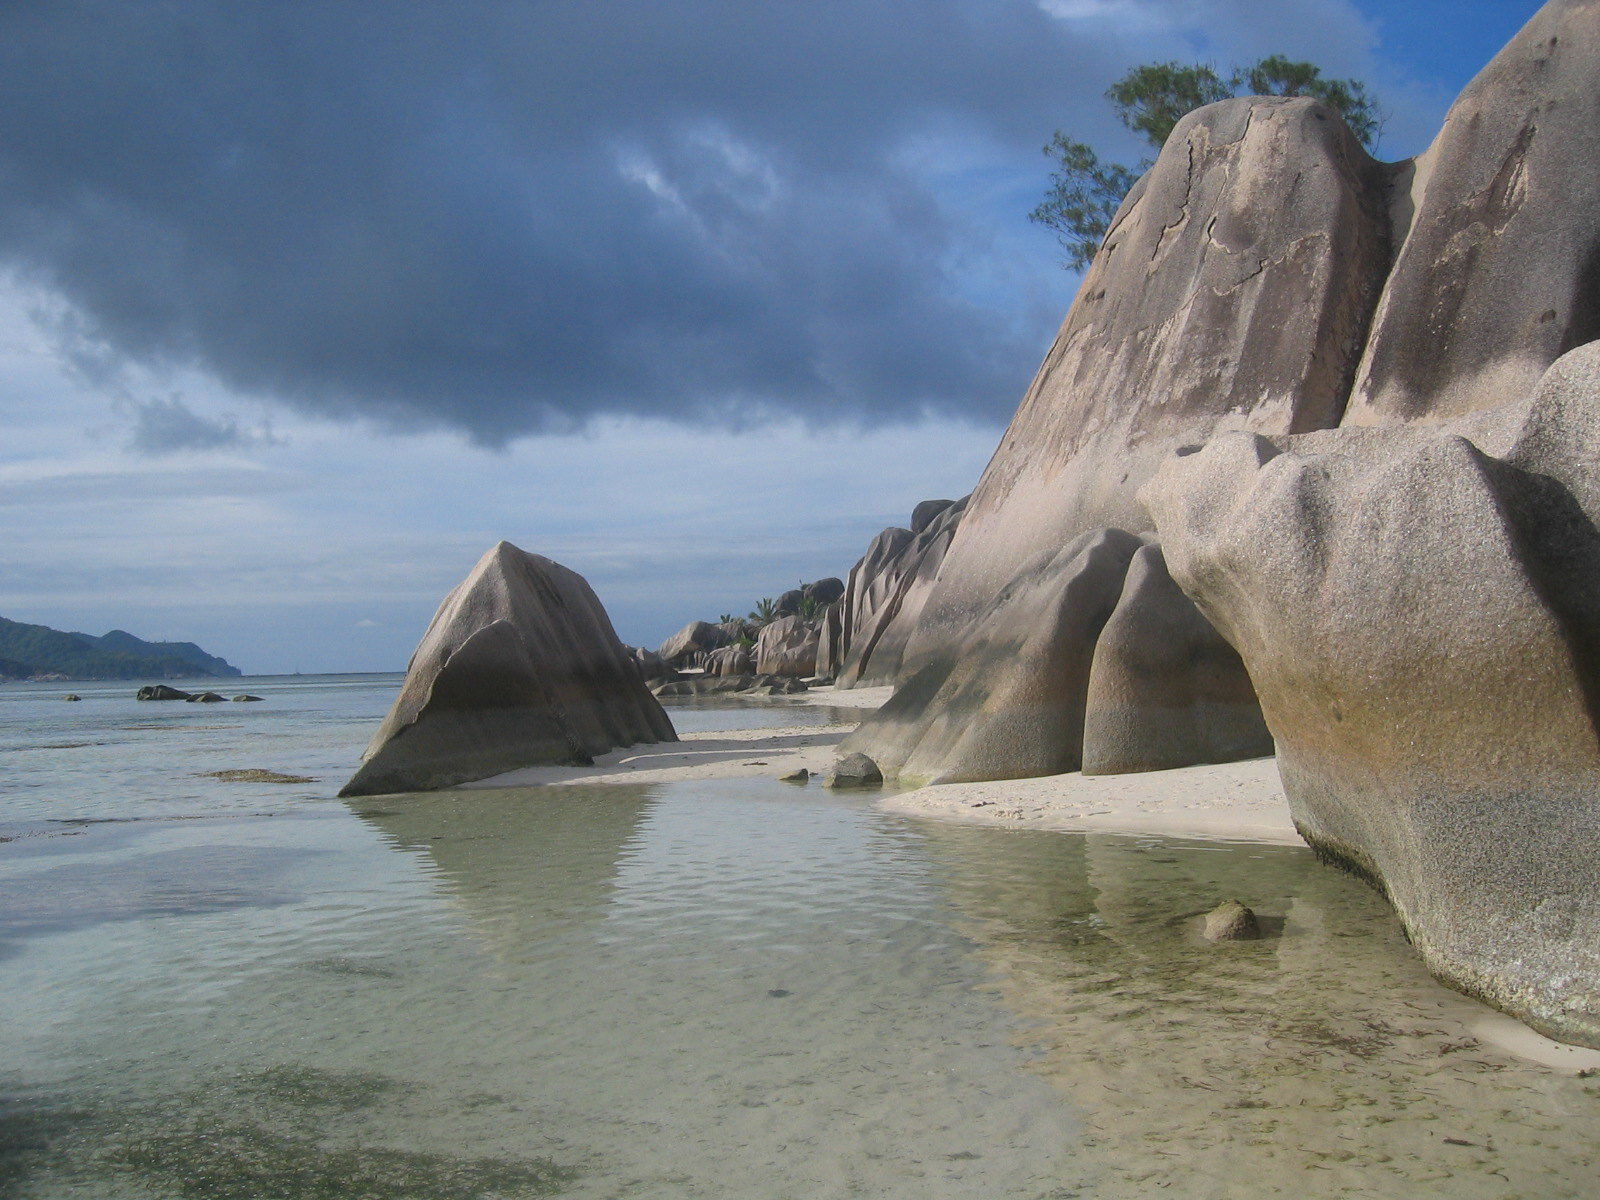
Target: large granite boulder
1499,272
787,646
1233,291
694,638
1166,689
1008,701
824,591
926,513
730,660
520,666
1419,609
869,585
650,663
887,590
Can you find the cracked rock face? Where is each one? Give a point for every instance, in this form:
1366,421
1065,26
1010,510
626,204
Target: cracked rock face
788,646
1499,273
1233,291
868,630
1419,609
520,667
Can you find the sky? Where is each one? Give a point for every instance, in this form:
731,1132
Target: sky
305,305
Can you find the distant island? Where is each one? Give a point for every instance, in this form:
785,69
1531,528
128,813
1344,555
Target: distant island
37,652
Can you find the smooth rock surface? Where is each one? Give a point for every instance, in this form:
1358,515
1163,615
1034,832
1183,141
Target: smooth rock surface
730,660
694,638
1008,701
1233,291
1231,921
888,588
1419,609
853,771
1499,273
1166,689
520,666
824,591
787,646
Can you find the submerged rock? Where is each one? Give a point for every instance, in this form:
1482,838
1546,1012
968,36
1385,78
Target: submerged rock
800,776
520,666
853,771
161,691
205,698
1231,921
246,699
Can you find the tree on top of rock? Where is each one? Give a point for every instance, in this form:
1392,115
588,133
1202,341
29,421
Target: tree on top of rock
1150,100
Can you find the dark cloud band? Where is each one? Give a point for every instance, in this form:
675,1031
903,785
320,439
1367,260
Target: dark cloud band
510,217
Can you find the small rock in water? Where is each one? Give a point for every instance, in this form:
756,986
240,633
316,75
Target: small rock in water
72,696
853,771
204,698
244,699
1231,921
800,776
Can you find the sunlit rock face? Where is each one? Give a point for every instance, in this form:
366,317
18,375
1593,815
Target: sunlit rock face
1233,291
520,666
787,646
1007,702
1165,689
1499,270
1092,657
1419,610
867,630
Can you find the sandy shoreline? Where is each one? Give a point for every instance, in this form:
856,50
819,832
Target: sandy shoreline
1233,801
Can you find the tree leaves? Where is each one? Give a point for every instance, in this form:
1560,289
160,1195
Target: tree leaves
1085,193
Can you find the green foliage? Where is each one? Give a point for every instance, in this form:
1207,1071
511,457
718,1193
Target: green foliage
810,608
1085,192
766,611
1276,75
1153,98
1084,195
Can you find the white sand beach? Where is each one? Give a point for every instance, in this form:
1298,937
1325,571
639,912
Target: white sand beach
1236,801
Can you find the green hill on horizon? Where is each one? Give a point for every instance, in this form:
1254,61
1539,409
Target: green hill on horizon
31,651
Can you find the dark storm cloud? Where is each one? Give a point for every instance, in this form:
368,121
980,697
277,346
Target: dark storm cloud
167,425
508,217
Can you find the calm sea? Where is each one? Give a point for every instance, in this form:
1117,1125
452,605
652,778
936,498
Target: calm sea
216,988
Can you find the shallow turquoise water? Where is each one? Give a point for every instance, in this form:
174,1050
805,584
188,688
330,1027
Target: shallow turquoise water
738,989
